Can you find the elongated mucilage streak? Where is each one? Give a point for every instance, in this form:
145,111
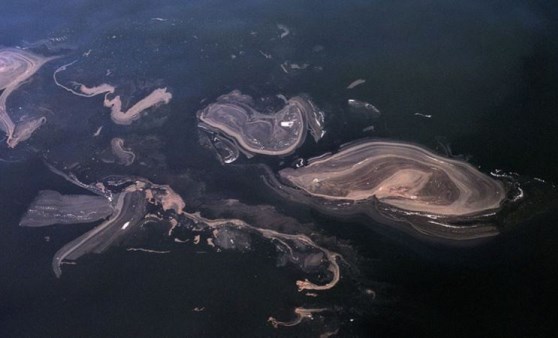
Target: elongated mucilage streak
129,207
332,257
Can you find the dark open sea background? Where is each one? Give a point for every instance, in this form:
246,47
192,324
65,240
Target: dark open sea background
486,71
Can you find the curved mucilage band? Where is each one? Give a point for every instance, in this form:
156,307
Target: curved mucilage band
118,115
397,181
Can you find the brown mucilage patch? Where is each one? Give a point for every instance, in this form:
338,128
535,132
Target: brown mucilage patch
236,126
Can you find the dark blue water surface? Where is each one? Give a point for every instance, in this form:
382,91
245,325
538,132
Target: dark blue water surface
477,77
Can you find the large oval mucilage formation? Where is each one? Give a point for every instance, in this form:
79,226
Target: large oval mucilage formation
238,124
401,181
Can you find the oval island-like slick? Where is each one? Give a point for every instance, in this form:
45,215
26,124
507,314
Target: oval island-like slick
400,181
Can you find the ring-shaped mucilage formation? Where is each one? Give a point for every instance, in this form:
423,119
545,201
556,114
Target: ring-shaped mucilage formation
237,124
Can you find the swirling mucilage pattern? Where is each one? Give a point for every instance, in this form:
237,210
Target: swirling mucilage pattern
238,127
17,66
391,180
